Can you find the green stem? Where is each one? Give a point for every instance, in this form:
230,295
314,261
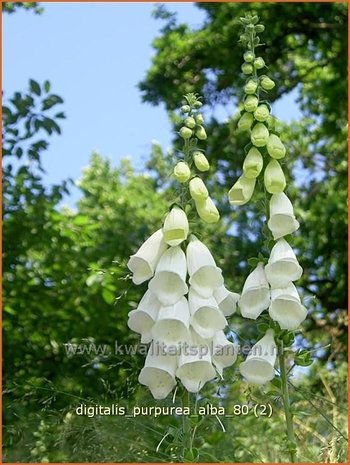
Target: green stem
186,426
286,405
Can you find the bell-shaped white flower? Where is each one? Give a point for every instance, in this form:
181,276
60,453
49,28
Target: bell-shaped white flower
172,325
282,220
226,300
198,189
275,147
283,266
206,317
158,374
253,163
242,191
255,297
175,228
224,352
205,276
195,367
286,307
142,319
143,263
168,283
258,368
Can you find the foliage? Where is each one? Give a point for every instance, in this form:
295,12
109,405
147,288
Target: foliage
12,7
66,286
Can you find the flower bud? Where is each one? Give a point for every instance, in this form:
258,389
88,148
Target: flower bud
207,210
251,103
248,57
274,179
275,147
259,28
182,172
262,113
253,163
185,133
199,118
247,68
250,87
198,189
200,133
242,191
190,122
259,63
267,83
197,104
259,135
185,108
200,161
245,122
175,228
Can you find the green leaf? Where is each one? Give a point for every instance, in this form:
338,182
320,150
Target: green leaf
47,86
34,87
108,296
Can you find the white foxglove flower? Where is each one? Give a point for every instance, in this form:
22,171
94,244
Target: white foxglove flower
206,317
195,367
207,210
224,352
253,163
175,228
158,374
205,276
242,191
143,263
286,307
255,297
258,368
283,266
144,317
198,189
275,147
274,179
168,283
282,220
226,300
172,325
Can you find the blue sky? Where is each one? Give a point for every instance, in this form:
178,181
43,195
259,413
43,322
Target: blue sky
94,54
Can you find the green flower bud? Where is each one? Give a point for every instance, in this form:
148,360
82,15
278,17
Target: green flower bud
245,122
200,133
262,113
259,135
190,122
250,87
242,191
259,28
259,63
185,108
248,57
267,83
199,118
197,104
253,163
198,189
274,179
275,147
200,160
182,172
247,68
251,103
186,133
207,210
250,27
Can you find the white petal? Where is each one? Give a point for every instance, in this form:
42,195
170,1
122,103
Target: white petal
206,317
282,220
226,300
258,368
143,263
286,307
255,296
205,276
175,229
173,322
224,352
158,374
283,266
143,318
168,283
